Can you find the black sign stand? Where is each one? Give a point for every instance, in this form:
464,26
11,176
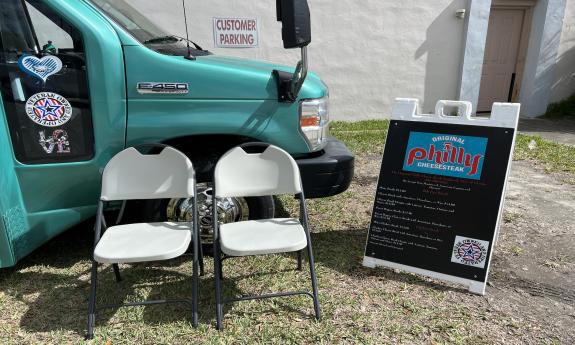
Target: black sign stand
440,191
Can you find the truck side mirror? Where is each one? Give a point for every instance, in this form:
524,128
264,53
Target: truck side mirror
296,33
296,24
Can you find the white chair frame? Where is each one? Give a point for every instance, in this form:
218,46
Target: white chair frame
197,263
219,258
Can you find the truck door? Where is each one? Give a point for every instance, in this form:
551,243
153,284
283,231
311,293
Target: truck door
45,88
53,58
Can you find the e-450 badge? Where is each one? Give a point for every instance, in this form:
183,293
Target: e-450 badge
163,88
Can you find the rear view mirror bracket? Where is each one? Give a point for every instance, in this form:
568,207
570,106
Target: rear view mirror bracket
289,85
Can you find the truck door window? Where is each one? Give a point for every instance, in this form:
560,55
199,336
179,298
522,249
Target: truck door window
144,30
44,85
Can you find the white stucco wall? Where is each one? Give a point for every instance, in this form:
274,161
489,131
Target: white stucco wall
368,52
564,83
540,64
477,23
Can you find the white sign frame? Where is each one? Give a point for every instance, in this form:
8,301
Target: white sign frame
503,115
255,32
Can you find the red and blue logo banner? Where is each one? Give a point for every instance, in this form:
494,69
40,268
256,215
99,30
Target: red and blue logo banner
445,154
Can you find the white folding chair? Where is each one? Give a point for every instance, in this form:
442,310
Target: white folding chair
269,171
131,175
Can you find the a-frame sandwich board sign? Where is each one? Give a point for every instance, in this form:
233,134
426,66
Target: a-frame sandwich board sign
440,191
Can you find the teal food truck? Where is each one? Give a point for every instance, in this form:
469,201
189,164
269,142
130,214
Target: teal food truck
81,80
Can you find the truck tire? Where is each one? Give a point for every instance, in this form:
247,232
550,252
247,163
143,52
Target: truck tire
261,207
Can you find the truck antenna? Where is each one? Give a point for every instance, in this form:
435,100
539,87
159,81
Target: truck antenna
189,56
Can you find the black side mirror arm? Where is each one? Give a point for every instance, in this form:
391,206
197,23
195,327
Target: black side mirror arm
289,85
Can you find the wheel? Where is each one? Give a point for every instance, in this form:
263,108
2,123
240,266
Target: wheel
180,210
229,209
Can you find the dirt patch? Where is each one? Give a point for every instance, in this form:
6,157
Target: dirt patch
533,271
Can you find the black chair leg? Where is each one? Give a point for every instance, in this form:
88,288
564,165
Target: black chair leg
195,290
117,272
313,282
92,305
201,253
299,260
221,267
217,277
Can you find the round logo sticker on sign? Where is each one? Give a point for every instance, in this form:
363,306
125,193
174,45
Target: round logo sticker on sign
469,251
48,109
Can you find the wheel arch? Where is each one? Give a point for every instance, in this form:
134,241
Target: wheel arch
204,150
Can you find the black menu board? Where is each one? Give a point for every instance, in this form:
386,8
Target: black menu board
439,198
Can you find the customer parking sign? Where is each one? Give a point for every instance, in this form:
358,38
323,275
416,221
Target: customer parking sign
236,32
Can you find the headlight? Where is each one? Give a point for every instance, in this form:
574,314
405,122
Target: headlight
314,122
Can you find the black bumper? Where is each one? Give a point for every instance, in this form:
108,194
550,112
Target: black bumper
328,173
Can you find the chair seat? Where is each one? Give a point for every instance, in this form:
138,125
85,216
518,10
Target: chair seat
265,236
143,242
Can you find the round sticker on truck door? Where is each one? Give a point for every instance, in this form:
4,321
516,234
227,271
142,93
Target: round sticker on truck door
48,109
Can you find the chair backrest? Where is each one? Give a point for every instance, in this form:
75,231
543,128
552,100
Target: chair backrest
271,172
131,175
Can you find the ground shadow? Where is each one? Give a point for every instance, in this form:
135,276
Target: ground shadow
564,126
343,250
57,298
61,300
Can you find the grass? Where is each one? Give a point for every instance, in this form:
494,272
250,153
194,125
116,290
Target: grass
44,298
554,157
562,109
363,137
510,217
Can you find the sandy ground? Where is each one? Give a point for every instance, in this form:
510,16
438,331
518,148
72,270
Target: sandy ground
533,270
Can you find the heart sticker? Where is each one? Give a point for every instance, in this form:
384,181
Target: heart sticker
40,68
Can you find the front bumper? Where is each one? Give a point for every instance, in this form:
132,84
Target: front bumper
328,173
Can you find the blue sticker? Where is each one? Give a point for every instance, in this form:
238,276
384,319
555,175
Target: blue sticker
40,68
445,154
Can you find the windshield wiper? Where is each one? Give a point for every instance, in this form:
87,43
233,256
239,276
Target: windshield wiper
172,38
162,39
192,42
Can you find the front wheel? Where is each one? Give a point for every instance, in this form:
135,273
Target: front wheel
231,209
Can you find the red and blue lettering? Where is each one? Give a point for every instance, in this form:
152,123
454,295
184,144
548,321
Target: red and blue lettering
448,155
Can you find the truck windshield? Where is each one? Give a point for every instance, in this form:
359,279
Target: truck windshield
134,22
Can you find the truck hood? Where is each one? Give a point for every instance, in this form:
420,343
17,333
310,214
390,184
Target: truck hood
210,76
258,72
